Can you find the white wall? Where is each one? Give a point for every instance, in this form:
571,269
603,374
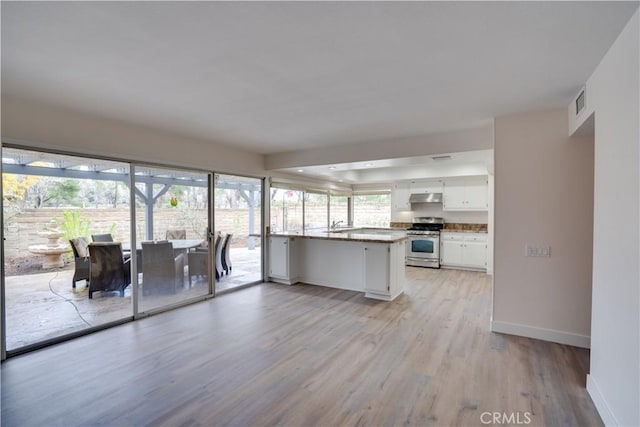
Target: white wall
543,196
613,99
449,142
59,129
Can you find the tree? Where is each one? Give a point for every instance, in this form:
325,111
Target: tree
64,192
14,187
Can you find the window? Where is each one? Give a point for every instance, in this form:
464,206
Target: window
371,210
315,211
286,210
339,210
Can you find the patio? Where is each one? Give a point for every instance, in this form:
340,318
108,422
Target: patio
43,306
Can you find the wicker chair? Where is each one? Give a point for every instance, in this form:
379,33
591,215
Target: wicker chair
226,257
109,272
218,252
163,270
97,238
198,261
176,234
102,237
80,246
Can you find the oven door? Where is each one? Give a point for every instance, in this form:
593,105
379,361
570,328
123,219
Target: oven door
423,251
423,247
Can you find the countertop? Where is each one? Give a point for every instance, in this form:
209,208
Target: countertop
345,236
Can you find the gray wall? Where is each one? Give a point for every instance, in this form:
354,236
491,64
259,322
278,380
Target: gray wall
543,196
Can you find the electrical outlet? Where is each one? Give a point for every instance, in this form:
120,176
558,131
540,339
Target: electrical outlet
537,251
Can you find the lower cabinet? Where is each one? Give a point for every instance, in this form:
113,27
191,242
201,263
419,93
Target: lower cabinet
383,270
377,268
466,250
282,259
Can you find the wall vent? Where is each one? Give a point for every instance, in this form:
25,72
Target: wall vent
580,104
441,157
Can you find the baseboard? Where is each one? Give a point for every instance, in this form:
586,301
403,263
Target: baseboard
600,402
576,340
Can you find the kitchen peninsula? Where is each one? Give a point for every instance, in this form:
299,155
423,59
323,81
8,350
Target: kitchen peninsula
365,260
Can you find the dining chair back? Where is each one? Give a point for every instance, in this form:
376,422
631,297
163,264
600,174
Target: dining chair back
109,271
80,247
102,237
163,271
226,255
219,266
176,234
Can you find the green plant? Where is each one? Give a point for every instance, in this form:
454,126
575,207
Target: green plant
73,225
112,230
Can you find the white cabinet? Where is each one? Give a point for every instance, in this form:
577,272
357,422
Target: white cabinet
451,251
282,259
467,250
430,186
400,197
384,273
376,268
466,194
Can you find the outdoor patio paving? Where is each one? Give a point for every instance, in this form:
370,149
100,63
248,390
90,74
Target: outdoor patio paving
43,306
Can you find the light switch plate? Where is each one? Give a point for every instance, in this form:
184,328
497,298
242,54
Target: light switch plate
537,251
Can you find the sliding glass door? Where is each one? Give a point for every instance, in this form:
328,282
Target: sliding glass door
238,231
91,242
54,208
173,254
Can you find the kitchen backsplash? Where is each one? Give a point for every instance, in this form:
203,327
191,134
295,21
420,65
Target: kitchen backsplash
404,225
455,226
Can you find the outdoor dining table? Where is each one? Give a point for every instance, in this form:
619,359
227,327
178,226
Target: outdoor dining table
178,245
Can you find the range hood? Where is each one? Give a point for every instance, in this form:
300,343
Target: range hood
426,198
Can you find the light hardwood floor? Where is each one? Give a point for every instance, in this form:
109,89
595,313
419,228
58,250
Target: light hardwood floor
305,355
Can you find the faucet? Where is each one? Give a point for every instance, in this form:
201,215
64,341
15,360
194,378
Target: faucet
334,224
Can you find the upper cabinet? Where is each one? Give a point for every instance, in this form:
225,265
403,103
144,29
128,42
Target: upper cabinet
432,186
466,194
400,196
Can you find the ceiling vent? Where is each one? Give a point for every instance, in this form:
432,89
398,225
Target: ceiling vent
437,158
580,102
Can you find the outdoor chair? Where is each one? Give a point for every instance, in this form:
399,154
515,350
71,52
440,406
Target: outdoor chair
102,237
109,272
108,238
163,271
80,246
218,249
198,260
226,257
176,234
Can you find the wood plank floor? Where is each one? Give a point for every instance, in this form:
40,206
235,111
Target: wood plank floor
305,355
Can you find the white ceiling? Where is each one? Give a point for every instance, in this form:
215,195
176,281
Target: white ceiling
274,77
478,162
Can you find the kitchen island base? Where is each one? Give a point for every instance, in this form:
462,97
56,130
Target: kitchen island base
373,267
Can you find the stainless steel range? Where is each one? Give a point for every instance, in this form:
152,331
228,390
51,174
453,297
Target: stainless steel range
423,242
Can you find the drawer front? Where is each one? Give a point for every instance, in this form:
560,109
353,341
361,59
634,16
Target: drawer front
451,237
476,237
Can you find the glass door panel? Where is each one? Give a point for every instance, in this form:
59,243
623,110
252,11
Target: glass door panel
55,207
238,231
172,250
